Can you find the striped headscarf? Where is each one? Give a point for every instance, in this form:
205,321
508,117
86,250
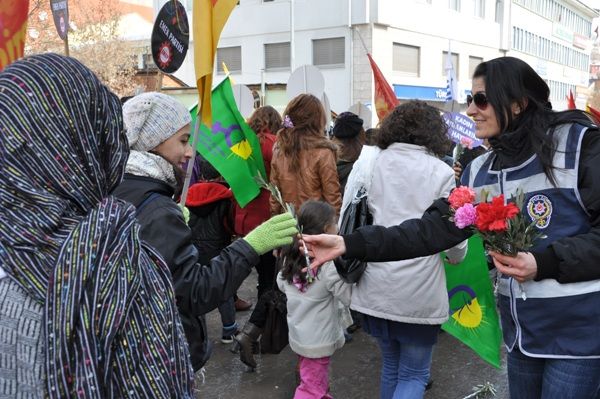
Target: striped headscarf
111,323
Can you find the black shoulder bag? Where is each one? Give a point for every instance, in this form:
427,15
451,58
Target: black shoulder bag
355,215
275,332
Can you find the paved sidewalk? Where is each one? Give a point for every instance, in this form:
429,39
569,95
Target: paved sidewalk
354,370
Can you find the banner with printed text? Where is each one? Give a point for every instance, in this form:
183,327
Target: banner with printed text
461,130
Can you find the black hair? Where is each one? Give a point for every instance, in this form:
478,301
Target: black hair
415,122
124,99
314,217
206,171
371,134
509,80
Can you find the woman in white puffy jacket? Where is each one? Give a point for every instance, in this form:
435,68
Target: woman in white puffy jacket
404,303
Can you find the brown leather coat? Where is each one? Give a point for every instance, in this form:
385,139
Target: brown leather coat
316,178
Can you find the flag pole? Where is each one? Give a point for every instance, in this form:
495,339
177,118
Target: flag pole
362,41
292,37
450,55
448,80
190,166
66,43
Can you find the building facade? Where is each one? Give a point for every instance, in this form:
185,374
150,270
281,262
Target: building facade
408,39
555,38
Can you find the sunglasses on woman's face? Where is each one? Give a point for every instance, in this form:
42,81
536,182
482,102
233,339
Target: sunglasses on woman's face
480,100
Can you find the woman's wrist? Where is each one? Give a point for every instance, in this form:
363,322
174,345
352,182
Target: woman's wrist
353,245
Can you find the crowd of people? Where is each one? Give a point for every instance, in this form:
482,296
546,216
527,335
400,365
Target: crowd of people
105,280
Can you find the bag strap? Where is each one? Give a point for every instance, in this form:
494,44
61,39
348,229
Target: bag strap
138,209
277,268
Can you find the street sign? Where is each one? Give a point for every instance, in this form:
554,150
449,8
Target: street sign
60,13
170,37
244,99
306,79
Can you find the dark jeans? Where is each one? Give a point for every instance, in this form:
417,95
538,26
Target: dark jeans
227,311
533,378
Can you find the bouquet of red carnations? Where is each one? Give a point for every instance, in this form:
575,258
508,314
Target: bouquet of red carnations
502,227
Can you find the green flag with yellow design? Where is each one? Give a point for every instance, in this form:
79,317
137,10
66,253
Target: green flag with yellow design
231,146
473,316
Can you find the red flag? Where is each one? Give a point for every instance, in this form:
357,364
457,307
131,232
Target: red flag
595,113
13,28
571,101
385,99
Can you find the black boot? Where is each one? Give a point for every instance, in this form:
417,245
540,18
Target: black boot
245,339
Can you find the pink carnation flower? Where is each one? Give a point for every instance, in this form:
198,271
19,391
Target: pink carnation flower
465,216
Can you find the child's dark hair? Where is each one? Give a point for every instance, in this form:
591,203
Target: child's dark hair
206,172
314,217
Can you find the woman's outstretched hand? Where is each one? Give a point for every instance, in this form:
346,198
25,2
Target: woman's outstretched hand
323,248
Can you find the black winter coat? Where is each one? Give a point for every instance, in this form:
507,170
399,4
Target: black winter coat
344,168
198,288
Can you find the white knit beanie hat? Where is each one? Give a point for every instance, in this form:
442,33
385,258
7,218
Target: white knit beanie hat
151,118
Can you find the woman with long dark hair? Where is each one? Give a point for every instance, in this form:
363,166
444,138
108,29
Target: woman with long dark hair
554,157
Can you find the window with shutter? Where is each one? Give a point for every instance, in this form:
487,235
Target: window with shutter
231,56
277,56
329,52
406,59
454,62
473,62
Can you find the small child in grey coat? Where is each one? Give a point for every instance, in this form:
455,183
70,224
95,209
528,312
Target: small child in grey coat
316,328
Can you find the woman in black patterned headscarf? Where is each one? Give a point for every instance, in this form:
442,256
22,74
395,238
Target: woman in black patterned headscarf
86,309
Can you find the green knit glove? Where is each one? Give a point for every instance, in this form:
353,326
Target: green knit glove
274,233
186,213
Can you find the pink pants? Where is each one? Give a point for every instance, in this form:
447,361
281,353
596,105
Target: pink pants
314,378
